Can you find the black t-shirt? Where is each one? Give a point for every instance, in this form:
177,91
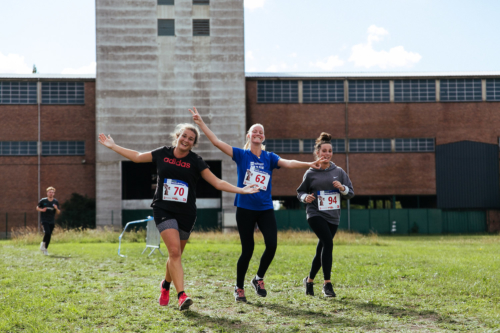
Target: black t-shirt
187,169
50,213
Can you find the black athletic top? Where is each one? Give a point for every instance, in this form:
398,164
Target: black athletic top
187,169
50,213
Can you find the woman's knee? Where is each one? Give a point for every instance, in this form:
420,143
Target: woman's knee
174,254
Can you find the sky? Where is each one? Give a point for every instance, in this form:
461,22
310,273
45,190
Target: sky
283,36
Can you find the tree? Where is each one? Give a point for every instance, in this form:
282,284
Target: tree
77,212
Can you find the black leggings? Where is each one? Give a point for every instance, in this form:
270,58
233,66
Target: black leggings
325,232
246,219
47,228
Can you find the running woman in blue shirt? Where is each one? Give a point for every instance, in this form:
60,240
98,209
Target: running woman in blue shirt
255,166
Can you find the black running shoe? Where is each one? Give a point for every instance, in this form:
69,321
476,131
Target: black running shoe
258,285
309,286
328,290
239,295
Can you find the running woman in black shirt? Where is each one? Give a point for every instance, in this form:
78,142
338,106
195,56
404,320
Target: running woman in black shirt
48,207
174,202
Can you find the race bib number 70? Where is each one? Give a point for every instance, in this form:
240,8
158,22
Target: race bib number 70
175,190
328,200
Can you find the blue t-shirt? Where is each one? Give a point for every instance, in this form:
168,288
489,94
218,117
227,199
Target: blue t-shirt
246,160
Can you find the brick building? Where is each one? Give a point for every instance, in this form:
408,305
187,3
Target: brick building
387,128
47,138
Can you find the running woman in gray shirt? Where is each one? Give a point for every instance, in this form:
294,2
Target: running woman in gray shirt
322,190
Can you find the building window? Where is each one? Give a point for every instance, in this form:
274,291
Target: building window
369,91
283,146
201,27
166,2
166,27
460,90
18,148
63,148
369,145
323,91
414,90
493,89
12,92
277,91
415,145
63,93
201,2
338,145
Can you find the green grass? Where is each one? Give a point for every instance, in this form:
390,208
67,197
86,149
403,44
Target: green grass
385,284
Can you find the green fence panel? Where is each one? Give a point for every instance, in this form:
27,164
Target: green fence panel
134,215
435,221
298,219
282,219
476,221
401,217
455,222
207,219
418,221
380,221
360,220
343,225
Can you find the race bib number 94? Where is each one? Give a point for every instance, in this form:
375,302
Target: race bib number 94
328,200
259,178
175,190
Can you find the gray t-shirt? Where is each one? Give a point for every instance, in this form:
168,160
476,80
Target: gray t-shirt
322,180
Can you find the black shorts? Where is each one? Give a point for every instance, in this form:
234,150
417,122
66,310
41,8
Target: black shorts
184,221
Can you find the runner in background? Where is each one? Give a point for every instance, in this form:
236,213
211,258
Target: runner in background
255,167
325,185
174,202
48,208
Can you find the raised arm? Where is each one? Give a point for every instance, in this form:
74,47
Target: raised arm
222,185
134,156
224,147
293,164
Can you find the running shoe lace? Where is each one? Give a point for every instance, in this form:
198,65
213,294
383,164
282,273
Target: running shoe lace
240,292
261,284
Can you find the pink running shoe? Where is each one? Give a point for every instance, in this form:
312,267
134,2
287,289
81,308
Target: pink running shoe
184,302
164,296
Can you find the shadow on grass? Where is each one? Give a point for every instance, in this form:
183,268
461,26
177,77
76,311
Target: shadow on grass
392,311
59,257
219,322
305,314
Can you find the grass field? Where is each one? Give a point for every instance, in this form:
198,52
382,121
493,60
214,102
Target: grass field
383,284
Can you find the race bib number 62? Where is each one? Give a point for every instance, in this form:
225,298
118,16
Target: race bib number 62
328,200
175,190
259,178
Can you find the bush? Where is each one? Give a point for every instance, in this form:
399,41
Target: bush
77,212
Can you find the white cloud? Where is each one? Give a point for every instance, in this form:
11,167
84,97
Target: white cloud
253,4
272,68
14,63
249,55
330,63
363,55
90,69
293,55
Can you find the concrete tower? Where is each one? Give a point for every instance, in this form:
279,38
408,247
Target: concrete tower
156,59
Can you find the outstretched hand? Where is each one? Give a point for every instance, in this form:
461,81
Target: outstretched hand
250,189
106,141
196,116
317,164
